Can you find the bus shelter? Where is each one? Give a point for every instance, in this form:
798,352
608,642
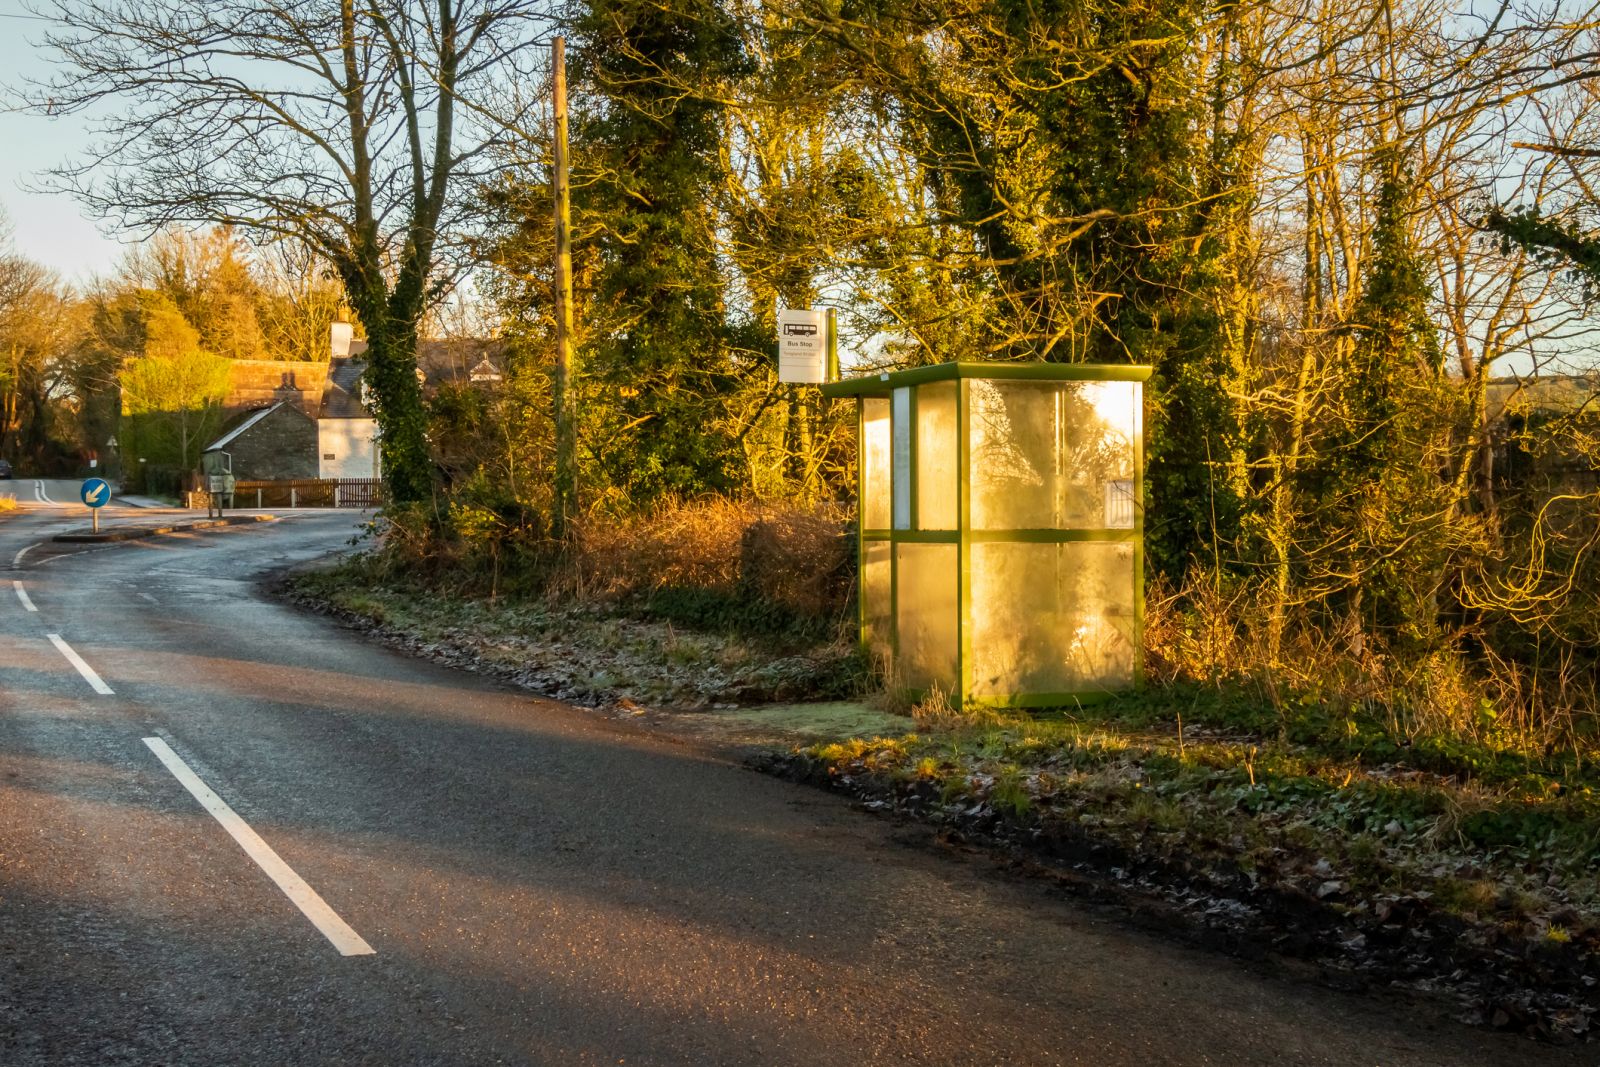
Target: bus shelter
1001,529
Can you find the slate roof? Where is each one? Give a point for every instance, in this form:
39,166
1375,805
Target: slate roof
254,384
341,398
453,361
243,426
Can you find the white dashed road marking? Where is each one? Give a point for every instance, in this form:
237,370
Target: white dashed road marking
94,680
22,595
324,918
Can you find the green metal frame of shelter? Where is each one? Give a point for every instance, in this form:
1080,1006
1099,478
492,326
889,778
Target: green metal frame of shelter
882,386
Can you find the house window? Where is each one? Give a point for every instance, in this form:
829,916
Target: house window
327,455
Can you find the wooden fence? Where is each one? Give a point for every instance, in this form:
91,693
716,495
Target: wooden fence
301,493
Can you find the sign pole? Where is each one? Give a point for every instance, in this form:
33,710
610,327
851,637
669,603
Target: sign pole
819,404
95,494
833,344
566,405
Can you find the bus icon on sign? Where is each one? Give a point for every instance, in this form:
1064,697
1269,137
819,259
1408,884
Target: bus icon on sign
799,329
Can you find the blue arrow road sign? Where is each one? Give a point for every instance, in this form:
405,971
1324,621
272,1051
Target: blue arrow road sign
96,492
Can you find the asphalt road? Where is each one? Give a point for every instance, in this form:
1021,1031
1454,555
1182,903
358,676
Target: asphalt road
534,884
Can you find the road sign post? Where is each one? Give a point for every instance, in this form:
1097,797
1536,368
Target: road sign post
95,494
806,356
566,368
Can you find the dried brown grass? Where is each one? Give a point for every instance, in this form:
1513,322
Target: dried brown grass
799,559
1208,635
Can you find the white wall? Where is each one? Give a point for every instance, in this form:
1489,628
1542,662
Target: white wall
353,444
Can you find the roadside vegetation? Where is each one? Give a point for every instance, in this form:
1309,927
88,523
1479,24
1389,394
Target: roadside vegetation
686,607
1474,878
1430,834
1333,805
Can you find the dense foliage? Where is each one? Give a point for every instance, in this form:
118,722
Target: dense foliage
1281,211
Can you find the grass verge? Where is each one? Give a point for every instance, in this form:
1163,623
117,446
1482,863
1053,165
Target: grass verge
593,653
1440,866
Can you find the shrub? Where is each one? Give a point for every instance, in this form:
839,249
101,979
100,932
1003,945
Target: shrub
720,564
1326,677
712,564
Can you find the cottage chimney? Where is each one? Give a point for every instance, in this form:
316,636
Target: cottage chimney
341,334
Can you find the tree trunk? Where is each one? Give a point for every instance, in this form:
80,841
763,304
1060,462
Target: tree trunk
391,323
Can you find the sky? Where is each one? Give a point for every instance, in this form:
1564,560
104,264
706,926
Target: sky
49,228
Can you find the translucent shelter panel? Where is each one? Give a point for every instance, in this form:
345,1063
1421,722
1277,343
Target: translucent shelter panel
875,463
1051,618
937,456
1100,423
1012,452
877,609
926,616
900,422
1052,455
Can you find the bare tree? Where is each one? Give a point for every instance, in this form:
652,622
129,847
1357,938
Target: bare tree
34,318
353,126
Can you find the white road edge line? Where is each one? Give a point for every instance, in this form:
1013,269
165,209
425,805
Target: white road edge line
44,498
16,561
324,918
94,680
22,595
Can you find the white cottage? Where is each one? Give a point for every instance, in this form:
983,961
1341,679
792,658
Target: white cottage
347,434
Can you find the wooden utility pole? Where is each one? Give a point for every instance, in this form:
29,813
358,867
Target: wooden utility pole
566,366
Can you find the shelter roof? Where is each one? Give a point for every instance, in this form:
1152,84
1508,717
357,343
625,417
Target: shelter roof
882,383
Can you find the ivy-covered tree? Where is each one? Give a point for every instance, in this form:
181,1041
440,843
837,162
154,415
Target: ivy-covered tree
1071,139
1377,485
1555,241
657,357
